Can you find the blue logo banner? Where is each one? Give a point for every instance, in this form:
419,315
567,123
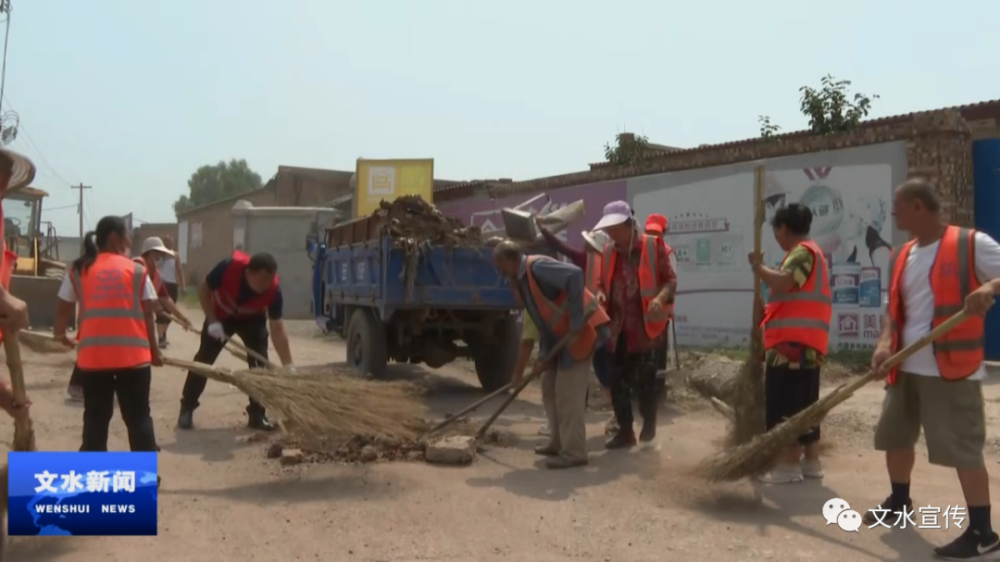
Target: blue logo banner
96,494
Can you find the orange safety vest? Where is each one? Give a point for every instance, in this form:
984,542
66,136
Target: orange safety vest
802,315
958,353
592,272
153,275
655,322
112,330
554,314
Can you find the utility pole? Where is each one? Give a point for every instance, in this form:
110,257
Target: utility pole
81,187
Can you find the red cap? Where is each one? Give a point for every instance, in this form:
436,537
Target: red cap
656,223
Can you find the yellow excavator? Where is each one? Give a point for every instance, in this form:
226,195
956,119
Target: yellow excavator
38,272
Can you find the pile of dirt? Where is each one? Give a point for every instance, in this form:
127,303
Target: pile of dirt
363,449
412,221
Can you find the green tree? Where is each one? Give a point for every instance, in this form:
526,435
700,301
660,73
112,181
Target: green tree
209,184
628,149
831,108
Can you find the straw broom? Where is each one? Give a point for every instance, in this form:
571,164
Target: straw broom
237,349
761,454
24,431
325,404
41,343
748,389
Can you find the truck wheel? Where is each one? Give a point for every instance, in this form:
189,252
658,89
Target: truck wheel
366,346
495,357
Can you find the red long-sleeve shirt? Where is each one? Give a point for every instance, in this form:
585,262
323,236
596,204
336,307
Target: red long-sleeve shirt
625,299
578,257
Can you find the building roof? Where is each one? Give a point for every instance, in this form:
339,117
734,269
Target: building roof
970,112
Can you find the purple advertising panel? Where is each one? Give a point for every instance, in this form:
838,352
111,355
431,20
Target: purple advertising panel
486,214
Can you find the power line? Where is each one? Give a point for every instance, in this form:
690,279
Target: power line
31,143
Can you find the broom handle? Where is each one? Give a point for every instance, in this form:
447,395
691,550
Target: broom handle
13,352
469,409
844,392
236,344
536,371
677,351
758,244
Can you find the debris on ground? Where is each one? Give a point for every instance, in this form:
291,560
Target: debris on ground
454,449
412,221
292,456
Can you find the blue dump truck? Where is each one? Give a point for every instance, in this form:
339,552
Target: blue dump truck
429,304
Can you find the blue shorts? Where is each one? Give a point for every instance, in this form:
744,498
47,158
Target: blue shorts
602,365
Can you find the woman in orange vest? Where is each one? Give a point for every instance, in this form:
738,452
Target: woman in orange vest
656,225
16,171
637,285
796,336
154,253
117,344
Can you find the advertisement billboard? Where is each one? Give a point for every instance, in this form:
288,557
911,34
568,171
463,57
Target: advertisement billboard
380,180
711,230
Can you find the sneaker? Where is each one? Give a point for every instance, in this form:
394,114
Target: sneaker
971,545
887,513
783,475
75,393
164,344
544,430
812,469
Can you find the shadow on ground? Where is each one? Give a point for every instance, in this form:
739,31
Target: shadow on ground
297,490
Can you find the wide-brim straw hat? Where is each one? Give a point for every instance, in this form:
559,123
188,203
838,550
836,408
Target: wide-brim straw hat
22,171
155,244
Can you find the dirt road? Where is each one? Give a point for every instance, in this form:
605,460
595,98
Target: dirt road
222,499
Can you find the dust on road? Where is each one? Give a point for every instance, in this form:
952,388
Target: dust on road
222,498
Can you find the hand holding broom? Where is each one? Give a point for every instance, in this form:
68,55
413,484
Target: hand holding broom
241,351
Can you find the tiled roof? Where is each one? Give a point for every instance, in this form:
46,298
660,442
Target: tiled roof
970,112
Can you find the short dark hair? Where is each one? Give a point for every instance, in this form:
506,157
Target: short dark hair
796,217
508,249
263,262
922,190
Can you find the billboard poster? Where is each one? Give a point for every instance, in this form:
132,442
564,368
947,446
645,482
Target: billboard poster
711,230
486,214
380,180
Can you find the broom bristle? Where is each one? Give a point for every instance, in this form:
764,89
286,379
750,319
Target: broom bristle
330,403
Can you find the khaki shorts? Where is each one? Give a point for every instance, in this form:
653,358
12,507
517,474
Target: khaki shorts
950,412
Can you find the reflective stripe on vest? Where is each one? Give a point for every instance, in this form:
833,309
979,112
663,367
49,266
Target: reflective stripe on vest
111,315
655,322
803,314
556,317
958,354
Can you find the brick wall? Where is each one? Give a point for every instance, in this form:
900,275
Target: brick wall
145,230
939,147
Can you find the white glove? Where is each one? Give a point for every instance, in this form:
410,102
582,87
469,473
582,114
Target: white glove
290,369
215,330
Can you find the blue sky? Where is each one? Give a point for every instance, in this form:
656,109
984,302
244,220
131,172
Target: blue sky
131,97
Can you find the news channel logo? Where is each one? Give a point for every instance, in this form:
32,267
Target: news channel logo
82,494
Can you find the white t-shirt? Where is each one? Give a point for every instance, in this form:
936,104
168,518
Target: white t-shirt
68,294
168,270
918,299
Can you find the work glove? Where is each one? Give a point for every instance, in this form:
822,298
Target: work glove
215,330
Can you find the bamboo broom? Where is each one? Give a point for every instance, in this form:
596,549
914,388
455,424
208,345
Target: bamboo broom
24,431
237,349
748,390
41,343
327,404
761,454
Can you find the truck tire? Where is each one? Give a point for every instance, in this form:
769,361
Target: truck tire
366,345
495,357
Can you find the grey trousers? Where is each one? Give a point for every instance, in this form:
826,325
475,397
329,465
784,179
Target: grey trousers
564,392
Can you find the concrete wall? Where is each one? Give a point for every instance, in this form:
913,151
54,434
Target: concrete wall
146,230
710,213
282,231
210,228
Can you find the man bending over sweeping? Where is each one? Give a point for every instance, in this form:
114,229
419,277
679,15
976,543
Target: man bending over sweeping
796,336
240,296
555,298
589,260
638,284
939,387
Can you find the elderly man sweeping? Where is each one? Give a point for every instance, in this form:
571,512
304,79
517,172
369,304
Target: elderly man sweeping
589,260
939,388
638,284
558,304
